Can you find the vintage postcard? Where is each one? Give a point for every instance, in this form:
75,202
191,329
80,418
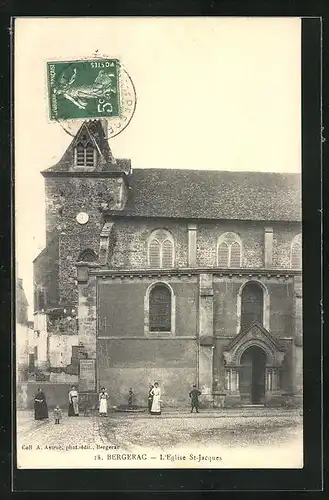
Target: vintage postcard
158,243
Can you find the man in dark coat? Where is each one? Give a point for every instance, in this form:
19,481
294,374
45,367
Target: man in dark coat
194,395
150,398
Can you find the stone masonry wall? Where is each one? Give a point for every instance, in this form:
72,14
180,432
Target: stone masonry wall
46,272
121,305
135,363
67,196
130,250
251,234
281,299
283,235
132,237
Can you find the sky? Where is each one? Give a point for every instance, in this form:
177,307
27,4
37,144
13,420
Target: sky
212,93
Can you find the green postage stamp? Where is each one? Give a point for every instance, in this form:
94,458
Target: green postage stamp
84,89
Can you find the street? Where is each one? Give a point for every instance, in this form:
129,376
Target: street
246,438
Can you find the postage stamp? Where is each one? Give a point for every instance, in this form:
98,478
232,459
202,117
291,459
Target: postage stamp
83,89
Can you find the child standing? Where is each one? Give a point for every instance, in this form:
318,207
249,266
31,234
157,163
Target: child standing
57,414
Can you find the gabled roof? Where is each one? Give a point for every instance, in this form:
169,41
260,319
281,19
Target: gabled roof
91,131
254,335
263,333
209,194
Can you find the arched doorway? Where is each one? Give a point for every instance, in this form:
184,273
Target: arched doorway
252,375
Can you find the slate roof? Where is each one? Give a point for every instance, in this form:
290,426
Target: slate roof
208,194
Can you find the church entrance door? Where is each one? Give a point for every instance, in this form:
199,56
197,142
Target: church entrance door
252,375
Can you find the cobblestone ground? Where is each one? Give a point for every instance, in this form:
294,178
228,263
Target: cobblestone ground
71,431
262,430
231,429
235,428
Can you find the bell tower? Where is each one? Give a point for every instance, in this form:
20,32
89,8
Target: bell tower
86,181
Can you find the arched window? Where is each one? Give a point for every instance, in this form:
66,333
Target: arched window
160,309
229,250
252,304
161,249
87,255
296,252
85,155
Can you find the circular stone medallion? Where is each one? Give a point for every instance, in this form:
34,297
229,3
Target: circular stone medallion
82,218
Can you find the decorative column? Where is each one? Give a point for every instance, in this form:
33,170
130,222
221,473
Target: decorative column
273,393
206,343
232,386
232,379
268,247
272,379
191,245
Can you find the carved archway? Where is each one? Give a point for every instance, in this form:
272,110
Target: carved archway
255,336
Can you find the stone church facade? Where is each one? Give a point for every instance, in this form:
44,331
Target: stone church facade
175,276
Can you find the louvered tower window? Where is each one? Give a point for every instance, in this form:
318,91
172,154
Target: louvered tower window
85,155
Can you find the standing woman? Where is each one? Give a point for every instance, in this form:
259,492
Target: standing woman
40,405
103,397
150,398
156,393
73,402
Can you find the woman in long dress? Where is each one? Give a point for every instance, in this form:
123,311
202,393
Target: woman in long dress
40,405
73,402
156,393
103,397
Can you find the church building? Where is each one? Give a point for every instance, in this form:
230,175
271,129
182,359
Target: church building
177,276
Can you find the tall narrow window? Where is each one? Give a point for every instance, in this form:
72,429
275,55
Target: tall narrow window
154,253
296,252
167,253
229,252
223,254
251,305
235,257
160,309
161,249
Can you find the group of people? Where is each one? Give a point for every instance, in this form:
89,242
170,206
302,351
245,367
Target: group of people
154,399
41,407
154,403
